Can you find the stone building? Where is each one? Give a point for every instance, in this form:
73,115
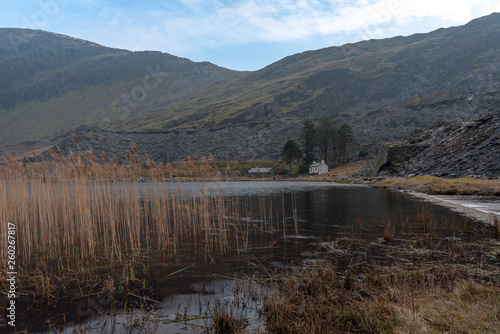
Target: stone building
318,168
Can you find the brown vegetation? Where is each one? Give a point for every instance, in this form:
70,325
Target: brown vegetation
441,186
425,284
347,169
76,219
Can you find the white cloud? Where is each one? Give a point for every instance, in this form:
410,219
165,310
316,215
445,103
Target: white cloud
214,23
285,20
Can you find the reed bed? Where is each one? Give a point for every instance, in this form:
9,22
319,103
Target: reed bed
78,212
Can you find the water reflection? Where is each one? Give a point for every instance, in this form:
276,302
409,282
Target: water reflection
275,211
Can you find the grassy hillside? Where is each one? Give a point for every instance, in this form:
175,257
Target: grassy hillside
381,87
50,84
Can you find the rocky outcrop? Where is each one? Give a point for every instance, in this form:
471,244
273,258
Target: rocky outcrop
391,158
258,141
470,148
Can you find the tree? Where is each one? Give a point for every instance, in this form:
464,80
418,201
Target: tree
308,143
291,152
327,138
347,141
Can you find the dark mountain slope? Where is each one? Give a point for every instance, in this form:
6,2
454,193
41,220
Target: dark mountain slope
39,65
51,83
384,89
470,148
233,143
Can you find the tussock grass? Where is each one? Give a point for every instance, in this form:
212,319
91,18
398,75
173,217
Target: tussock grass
496,227
389,232
424,284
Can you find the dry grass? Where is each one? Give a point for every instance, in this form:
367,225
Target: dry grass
67,216
389,231
425,284
496,226
440,186
231,169
341,174
77,219
382,299
348,169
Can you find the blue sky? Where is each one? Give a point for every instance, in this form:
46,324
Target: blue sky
239,34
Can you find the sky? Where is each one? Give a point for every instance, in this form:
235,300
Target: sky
238,34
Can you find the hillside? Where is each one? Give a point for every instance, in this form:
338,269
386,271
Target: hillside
384,88
51,83
470,148
232,143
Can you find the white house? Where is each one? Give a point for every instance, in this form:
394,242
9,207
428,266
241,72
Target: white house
318,168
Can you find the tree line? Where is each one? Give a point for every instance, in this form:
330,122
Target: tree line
322,141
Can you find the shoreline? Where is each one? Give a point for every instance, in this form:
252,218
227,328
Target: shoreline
425,187
350,268
432,189
486,217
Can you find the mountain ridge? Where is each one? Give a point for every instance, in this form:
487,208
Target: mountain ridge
63,83
382,88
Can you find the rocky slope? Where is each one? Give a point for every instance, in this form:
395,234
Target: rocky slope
384,89
470,148
232,143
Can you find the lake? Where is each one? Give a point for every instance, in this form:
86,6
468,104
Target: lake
282,225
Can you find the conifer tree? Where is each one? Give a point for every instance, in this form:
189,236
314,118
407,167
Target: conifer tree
291,153
308,143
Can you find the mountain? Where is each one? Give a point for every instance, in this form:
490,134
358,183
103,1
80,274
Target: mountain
383,89
460,149
52,83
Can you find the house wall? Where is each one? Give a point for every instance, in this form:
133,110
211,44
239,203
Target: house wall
322,169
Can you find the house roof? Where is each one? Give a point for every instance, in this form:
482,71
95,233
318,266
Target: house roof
317,164
260,170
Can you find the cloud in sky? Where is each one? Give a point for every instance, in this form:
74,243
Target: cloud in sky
190,27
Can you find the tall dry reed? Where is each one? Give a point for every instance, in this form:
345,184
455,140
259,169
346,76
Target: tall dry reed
78,209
